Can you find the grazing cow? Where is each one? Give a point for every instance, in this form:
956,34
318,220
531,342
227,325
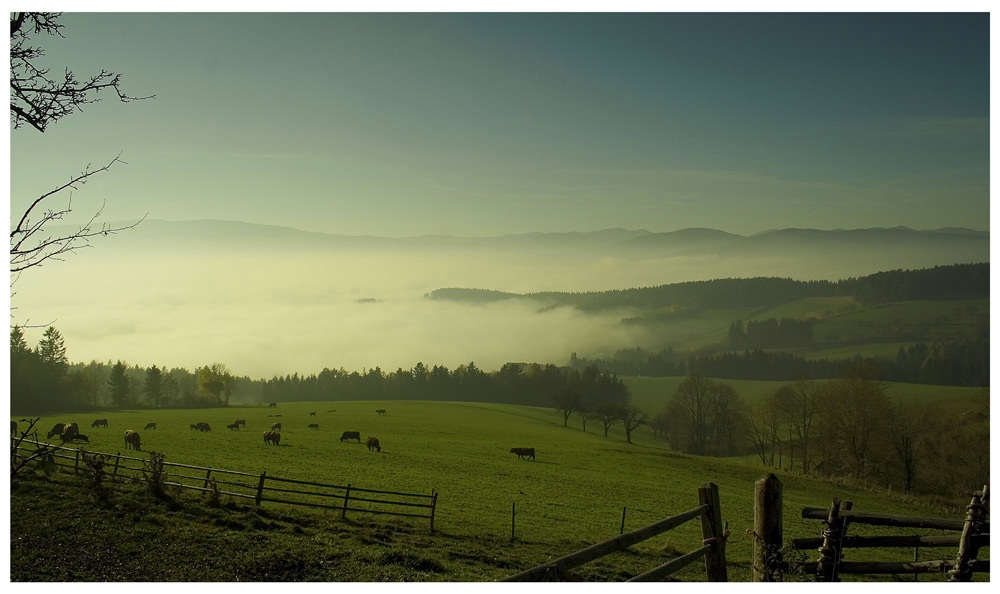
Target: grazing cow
523,453
65,431
69,431
99,423
314,426
373,444
150,425
381,411
276,427
198,427
80,437
272,438
203,427
13,427
312,414
241,423
132,440
348,435
57,429
233,427
272,405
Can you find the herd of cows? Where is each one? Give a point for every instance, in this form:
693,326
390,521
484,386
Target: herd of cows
70,432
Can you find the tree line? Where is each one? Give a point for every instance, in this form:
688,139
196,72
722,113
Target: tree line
957,281
42,380
951,363
850,428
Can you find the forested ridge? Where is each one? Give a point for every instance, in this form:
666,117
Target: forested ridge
958,281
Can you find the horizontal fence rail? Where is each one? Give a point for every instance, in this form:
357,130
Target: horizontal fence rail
896,567
712,549
258,488
854,517
973,535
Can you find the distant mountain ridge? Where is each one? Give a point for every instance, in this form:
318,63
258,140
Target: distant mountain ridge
229,229
691,253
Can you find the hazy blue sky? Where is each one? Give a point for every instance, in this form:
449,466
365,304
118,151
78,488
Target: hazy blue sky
486,124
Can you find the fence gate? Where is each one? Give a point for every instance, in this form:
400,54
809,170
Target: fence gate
713,546
973,534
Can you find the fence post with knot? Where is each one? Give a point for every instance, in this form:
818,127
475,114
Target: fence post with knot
768,564
967,549
713,533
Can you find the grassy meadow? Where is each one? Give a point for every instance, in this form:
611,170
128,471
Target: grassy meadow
652,393
572,495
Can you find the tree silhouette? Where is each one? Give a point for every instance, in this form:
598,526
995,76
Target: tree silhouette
39,99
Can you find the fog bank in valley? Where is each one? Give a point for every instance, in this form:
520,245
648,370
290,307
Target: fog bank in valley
273,301
267,315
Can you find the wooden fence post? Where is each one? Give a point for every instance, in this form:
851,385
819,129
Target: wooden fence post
347,495
434,501
260,489
622,530
767,530
513,512
114,473
833,537
76,463
967,550
208,475
713,533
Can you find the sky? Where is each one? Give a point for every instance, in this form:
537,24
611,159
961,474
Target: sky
487,124
402,124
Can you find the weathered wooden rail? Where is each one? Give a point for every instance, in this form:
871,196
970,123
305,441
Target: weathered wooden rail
712,549
973,535
258,488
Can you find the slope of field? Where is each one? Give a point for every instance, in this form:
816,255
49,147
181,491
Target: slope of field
652,393
571,496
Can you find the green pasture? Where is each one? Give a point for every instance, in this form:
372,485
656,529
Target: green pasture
930,320
573,494
811,307
651,394
840,320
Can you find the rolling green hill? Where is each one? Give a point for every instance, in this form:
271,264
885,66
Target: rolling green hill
571,496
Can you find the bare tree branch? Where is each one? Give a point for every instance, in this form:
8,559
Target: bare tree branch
36,98
30,246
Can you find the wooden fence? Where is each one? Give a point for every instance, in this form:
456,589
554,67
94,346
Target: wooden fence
258,488
712,549
971,534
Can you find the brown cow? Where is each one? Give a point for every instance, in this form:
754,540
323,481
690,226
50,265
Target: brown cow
150,425
241,423
99,423
276,427
65,431
233,426
373,444
272,438
314,426
380,411
57,429
348,435
132,440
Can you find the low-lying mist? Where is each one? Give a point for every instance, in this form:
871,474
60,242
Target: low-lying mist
272,301
268,315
